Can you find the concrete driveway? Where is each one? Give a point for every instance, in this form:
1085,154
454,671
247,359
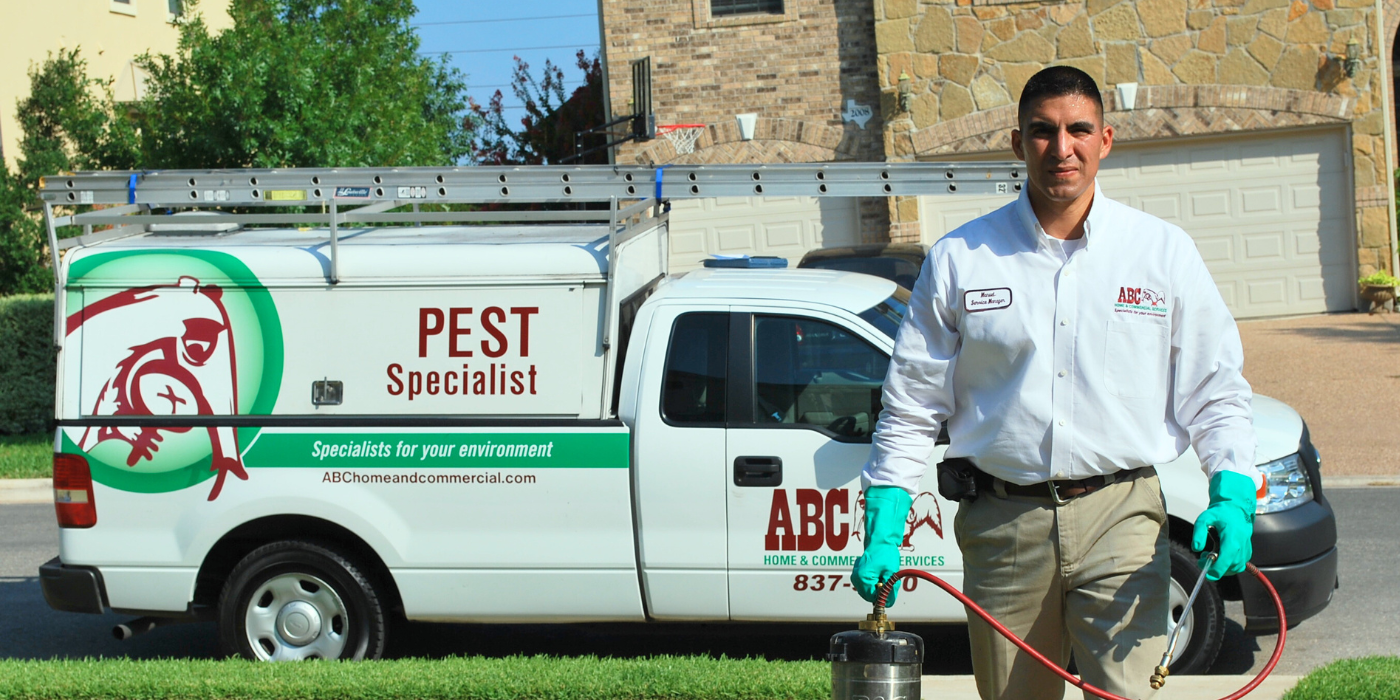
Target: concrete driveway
1342,373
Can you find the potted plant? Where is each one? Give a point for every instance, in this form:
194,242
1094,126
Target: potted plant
1379,289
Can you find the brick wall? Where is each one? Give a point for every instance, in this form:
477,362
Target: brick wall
796,70
802,65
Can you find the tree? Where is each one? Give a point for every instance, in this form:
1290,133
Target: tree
23,248
68,123
294,83
304,83
550,122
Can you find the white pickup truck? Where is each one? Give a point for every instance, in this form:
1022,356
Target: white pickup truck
301,433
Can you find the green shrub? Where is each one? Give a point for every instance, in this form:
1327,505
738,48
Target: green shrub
475,678
27,363
1371,678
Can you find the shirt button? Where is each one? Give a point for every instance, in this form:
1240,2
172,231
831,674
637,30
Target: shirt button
1063,373
1059,475
1062,423
1064,322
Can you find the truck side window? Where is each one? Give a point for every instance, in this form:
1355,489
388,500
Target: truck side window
697,369
811,373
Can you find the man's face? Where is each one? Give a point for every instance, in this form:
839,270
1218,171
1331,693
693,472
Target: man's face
1062,140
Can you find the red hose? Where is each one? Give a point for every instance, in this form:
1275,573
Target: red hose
888,585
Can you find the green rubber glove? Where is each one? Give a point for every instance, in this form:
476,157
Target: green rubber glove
1231,514
886,515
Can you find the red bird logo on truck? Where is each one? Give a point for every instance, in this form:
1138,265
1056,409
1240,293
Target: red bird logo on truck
923,512
181,362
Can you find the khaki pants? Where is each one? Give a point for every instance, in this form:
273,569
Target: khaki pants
1088,577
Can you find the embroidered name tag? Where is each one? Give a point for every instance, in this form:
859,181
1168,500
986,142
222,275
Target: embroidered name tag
975,300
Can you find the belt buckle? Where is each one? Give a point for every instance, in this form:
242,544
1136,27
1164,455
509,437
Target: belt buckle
1055,494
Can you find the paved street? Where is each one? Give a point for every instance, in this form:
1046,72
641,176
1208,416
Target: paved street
1360,620
1339,372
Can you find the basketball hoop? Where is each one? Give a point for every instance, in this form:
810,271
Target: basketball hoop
681,136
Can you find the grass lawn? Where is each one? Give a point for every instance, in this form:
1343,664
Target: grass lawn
27,456
519,678
513,678
1371,678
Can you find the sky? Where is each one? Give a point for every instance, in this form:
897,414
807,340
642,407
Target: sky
483,37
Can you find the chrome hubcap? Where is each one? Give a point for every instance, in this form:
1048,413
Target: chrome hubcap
296,616
299,622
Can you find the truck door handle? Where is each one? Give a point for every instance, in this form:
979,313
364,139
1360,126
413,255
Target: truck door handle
758,471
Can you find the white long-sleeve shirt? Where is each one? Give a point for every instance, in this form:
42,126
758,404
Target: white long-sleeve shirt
1051,362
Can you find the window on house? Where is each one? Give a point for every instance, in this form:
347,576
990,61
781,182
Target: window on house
175,7
124,7
725,8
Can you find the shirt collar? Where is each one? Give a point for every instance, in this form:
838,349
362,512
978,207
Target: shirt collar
1098,214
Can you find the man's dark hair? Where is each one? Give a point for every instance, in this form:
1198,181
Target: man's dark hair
1057,81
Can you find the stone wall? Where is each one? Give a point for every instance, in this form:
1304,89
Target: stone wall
1390,20
797,71
1206,66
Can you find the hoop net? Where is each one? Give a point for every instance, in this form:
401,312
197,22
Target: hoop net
681,136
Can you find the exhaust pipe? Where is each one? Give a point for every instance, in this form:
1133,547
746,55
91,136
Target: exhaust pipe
142,625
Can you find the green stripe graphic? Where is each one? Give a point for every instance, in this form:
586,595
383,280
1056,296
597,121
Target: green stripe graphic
601,450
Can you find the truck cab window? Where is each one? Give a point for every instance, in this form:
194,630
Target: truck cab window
813,373
696,370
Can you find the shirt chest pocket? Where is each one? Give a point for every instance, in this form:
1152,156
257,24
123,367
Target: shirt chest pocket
1135,360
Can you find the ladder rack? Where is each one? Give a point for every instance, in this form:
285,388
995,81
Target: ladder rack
536,183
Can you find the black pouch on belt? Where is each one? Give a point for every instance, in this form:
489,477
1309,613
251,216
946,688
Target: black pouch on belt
956,479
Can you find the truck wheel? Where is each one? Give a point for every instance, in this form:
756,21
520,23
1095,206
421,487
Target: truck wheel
1200,642
294,600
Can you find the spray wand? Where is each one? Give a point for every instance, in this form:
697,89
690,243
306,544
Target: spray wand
1159,675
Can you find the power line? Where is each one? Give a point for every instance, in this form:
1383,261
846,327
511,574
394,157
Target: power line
509,19
506,106
520,48
505,85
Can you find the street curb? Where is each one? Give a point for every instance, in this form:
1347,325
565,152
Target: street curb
1180,687
15,491
1362,481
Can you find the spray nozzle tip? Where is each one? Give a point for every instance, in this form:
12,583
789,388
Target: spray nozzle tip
1159,677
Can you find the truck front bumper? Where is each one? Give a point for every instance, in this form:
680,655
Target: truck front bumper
1305,588
72,588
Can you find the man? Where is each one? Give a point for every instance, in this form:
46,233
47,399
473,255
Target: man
1070,342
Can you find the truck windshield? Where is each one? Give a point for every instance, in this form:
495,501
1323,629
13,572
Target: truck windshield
888,314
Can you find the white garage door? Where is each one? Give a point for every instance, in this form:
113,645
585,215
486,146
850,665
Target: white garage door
783,226
1270,214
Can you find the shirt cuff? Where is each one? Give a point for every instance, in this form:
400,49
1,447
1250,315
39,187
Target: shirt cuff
904,472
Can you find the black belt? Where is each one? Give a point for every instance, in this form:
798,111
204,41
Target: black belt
1058,490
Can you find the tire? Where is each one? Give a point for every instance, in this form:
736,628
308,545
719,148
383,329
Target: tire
294,599
1200,642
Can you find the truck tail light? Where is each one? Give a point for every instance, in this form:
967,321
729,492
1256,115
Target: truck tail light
72,492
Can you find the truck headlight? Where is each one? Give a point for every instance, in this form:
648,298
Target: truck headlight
1286,483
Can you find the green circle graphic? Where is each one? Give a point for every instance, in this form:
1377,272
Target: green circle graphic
183,459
